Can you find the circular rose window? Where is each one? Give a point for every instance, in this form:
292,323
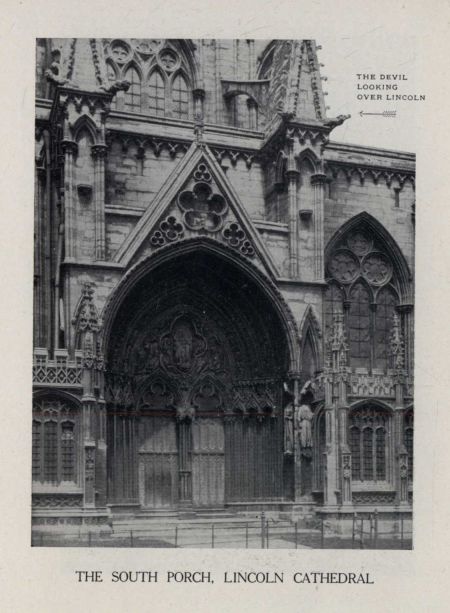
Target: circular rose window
359,243
343,266
168,59
377,268
120,51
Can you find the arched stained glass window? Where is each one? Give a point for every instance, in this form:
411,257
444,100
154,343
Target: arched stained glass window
50,451
133,95
156,94
380,458
367,453
180,98
67,451
37,450
355,448
408,438
363,285
359,328
55,450
367,434
384,317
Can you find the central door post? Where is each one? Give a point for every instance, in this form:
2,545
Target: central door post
185,462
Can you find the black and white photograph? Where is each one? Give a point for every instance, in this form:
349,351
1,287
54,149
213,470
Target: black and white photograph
223,319
224,286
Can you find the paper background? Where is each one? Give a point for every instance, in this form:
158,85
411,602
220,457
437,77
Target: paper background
354,35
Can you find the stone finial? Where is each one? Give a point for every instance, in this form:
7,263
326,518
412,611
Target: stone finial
339,342
397,344
86,314
198,127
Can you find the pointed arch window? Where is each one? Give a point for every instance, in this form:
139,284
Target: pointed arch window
133,95
363,285
368,440
180,98
408,439
386,303
55,450
156,94
359,325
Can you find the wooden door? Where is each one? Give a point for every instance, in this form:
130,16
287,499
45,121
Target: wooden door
158,463
208,466
254,459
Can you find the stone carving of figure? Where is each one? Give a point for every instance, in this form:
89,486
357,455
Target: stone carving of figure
303,421
303,418
289,429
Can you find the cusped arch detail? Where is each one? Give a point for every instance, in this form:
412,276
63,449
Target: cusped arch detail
308,155
310,329
57,394
208,246
85,123
375,403
187,50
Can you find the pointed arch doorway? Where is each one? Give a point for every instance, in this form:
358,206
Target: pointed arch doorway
197,354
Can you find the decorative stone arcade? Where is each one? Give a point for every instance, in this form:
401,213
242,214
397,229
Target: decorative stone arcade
197,358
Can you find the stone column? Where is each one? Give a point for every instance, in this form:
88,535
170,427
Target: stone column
292,174
185,461
401,458
88,402
340,353
100,473
99,155
297,449
345,454
331,454
69,149
252,113
199,97
318,181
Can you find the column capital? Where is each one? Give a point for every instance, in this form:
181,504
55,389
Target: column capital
292,174
319,178
198,93
69,146
99,151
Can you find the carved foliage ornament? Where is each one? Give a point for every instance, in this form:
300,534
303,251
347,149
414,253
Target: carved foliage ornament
86,317
87,325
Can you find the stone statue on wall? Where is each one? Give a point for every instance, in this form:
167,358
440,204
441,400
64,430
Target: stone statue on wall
303,418
289,429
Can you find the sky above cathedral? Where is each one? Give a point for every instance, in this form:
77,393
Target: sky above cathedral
388,67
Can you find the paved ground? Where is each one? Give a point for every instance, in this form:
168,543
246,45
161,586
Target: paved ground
221,537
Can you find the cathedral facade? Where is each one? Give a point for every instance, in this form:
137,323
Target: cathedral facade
223,295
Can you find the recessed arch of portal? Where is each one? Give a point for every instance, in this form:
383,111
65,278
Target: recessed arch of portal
199,347
194,317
